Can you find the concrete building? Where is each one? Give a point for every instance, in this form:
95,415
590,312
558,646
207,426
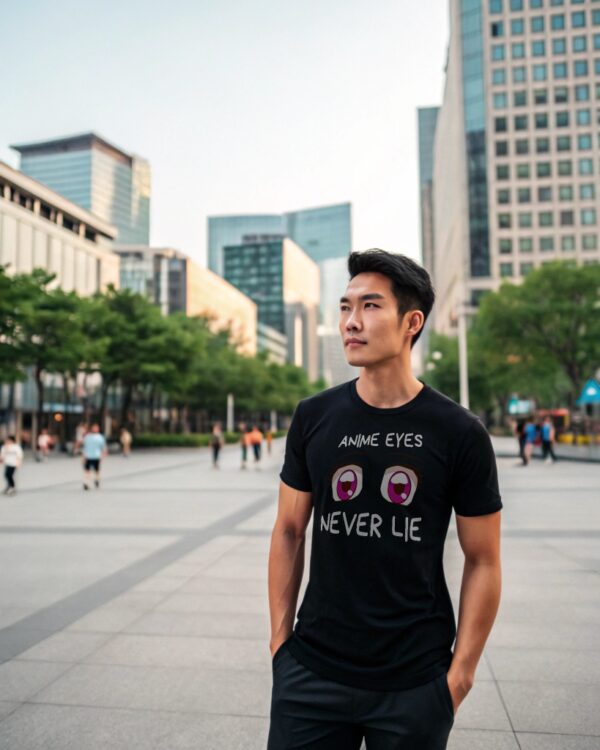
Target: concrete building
41,229
284,283
173,282
516,154
98,176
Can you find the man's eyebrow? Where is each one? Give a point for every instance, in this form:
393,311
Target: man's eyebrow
363,297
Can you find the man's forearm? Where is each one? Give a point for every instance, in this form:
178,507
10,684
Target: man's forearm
479,601
286,564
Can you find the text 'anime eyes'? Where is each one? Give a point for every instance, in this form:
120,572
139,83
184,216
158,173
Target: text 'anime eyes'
347,482
399,485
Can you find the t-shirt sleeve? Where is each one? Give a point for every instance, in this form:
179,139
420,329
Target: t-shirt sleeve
295,471
474,484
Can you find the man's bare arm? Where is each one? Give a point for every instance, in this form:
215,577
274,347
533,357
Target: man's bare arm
286,560
479,537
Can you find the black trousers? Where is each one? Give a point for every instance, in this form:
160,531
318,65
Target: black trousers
9,475
310,712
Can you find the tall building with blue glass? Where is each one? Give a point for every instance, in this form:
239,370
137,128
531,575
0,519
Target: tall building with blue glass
94,174
517,146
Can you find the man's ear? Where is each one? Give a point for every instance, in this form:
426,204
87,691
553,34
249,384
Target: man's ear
416,321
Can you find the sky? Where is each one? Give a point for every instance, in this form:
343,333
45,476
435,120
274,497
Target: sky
261,106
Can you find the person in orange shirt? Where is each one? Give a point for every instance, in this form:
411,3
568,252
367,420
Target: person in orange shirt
256,438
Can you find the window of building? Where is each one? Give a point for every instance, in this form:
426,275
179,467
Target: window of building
521,122
504,221
567,243
541,120
499,76
505,246
579,43
500,101
567,218
596,40
540,72
519,74
501,148
557,22
495,6
533,4
542,145
538,48
587,191
584,117
525,245
502,172
559,70
525,220
545,219
537,24
563,143
517,26
543,169
585,166
506,269
565,168
597,66
584,142
525,268
580,68
522,146
596,17
557,2
565,192
516,4
546,244
497,28
597,91
589,241
561,95
497,52
517,50
588,216
582,93
559,46
540,96
562,119
544,194
578,19
524,195
520,98
500,124
523,171
503,196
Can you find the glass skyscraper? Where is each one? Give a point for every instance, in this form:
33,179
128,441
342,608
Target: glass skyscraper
97,176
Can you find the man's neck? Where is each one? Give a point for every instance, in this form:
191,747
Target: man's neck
388,385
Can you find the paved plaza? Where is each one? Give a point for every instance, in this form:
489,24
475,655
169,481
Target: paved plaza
135,617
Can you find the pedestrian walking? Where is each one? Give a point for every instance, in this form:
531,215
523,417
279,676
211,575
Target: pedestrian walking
11,455
520,433
80,433
548,437
269,439
531,434
244,443
381,461
94,449
44,443
125,438
256,438
216,443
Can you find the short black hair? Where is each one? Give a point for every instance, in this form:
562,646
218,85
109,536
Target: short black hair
411,283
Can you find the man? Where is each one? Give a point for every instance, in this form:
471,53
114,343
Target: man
548,436
94,449
11,455
381,460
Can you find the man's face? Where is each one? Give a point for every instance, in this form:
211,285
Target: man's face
371,328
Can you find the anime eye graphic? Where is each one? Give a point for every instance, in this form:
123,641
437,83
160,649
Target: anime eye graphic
399,485
347,482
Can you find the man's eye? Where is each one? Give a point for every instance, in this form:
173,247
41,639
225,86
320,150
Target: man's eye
371,303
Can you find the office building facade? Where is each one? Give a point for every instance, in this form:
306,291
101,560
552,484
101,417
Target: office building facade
94,174
516,154
284,283
41,229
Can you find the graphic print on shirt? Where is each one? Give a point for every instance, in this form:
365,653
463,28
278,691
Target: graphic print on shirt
399,485
347,482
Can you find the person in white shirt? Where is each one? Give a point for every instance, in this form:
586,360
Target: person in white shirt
11,455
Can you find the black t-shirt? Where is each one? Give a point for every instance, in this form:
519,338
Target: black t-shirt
377,613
